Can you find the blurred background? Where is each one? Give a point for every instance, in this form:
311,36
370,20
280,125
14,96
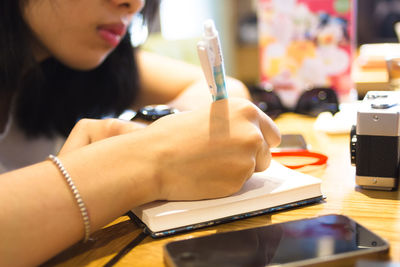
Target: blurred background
179,27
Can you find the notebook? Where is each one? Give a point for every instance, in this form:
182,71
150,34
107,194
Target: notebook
272,190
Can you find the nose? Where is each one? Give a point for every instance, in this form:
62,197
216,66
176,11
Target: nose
129,6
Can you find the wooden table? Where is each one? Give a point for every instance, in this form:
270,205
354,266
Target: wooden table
377,210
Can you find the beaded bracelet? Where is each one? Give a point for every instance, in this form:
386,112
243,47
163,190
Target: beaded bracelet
77,196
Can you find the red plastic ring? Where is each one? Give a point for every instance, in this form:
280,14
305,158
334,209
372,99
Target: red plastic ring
321,159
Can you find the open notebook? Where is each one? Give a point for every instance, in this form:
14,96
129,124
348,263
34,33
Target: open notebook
275,189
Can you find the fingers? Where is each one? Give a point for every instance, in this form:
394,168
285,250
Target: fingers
269,136
88,131
263,158
272,138
269,129
267,133
78,137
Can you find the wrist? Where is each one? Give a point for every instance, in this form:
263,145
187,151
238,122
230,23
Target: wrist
139,165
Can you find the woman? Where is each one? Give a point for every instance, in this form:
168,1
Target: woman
61,63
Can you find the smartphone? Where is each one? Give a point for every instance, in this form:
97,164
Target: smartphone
335,240
290,142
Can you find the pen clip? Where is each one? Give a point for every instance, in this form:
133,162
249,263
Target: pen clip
203,51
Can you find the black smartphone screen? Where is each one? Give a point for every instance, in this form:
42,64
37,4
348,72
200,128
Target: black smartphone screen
319,239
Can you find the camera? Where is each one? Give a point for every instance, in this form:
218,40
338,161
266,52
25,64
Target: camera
374,141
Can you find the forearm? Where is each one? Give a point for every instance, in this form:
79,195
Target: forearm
163,78
39,215
169,159
178,83
197,94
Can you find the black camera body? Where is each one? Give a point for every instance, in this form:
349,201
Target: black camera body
374,143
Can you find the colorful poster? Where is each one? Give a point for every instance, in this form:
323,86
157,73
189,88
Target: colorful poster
306,44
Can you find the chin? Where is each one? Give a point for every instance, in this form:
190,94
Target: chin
85,63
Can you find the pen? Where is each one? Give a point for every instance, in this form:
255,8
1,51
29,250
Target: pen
211,60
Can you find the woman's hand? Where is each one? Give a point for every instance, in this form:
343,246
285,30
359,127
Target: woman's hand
206,153
210,152
117,165
88,131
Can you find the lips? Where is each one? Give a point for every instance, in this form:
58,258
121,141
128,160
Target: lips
112,33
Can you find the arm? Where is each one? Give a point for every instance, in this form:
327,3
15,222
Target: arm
39,216
180,84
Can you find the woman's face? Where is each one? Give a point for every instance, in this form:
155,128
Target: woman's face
79,33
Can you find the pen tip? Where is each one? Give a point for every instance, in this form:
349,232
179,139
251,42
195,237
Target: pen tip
209,27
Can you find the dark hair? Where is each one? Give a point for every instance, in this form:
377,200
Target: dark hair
51,97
